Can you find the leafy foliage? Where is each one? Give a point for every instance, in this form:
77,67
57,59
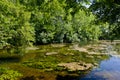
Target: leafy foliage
23,23
108,11
6,74
54,22
15,28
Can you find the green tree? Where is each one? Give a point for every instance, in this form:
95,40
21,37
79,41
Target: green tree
108,11
85,27
47,20
14,25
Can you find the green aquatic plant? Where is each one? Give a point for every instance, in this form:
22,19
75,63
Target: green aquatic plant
8,74
65,54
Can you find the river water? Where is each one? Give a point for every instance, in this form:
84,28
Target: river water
108,70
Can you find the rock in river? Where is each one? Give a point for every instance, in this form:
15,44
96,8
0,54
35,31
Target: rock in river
76,66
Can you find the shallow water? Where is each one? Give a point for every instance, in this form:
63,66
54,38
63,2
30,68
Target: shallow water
108,70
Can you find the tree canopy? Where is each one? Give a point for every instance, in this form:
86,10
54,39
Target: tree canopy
26,22
108,11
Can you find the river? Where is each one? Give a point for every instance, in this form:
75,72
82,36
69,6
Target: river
41,64
108,70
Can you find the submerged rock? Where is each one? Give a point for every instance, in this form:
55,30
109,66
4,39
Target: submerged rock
51,53
94,53
80,49
76,66
32,48
58,45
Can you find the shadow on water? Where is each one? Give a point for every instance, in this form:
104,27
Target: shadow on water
10,59
33,78
29,78
10,56
92,78
67,77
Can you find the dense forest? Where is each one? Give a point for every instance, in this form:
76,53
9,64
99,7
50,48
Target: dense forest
28,22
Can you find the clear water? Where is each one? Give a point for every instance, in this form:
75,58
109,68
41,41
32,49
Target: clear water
108,70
